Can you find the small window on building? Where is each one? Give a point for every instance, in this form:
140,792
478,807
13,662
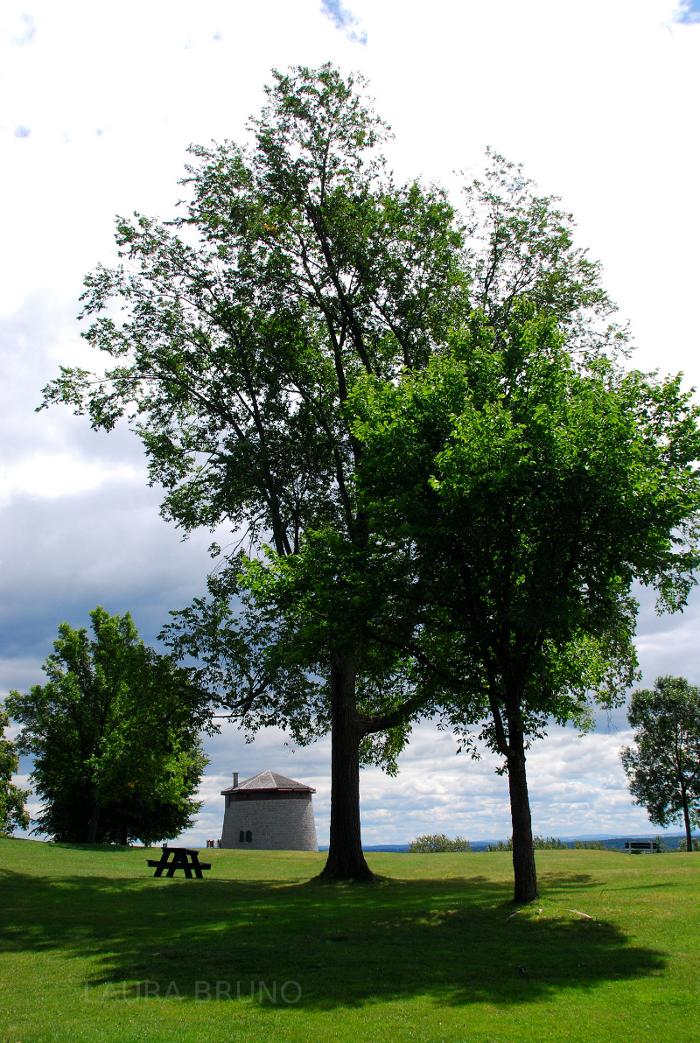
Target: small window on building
241,837
249,837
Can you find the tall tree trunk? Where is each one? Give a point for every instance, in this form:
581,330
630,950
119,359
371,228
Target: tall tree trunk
346,860
523,849
686,819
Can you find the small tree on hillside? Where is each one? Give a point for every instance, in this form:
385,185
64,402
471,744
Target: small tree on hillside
114,734
663,767
437,843
13,814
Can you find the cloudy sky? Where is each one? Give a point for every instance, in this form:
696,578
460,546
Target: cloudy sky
599,101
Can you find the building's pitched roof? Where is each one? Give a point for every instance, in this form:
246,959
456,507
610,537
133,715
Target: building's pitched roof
270,780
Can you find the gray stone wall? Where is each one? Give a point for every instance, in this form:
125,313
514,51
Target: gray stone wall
276,825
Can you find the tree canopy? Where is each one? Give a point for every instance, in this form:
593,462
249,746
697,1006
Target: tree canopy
114,734
13,814
663,766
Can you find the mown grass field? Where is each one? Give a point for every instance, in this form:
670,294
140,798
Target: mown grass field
92,947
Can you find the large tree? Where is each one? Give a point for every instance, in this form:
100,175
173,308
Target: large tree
13,813
296,266
114,734
663,767
533,484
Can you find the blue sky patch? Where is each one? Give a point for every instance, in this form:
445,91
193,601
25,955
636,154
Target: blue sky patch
344,20
22,132
688,13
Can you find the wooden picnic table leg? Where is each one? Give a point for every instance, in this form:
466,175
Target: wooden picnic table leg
174,863
173,859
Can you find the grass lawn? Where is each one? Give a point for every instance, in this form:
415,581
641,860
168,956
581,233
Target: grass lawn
92,947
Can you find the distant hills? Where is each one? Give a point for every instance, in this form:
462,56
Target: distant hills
670,841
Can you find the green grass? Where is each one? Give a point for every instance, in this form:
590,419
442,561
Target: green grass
92,947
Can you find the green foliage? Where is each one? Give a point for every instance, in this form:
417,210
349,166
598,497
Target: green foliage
13,814
537,490
245,652
268,629
114,735
434,843
683,844
538,843
663,767
296,266
589,845
523,245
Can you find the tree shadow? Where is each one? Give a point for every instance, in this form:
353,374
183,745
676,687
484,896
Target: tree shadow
456,939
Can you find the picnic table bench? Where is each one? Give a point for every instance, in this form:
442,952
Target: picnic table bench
174,858
641,847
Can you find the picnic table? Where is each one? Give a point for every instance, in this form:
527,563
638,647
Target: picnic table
174,858
642,847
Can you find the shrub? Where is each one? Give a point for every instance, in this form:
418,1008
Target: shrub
437,842
682,845
539,843
589,845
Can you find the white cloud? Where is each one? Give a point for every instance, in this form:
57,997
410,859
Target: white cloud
17,28
54,475
577,787
343,19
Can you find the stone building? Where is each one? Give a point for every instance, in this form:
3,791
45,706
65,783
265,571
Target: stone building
269,813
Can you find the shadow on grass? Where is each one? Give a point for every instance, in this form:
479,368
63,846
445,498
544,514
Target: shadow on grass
452,939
